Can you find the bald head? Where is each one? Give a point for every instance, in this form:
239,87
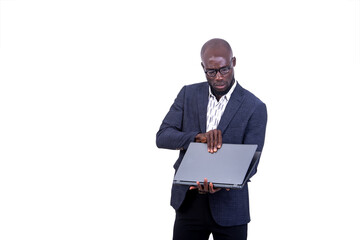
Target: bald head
216,46
218,64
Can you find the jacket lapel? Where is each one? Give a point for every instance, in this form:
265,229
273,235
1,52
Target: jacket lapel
232,107
203,98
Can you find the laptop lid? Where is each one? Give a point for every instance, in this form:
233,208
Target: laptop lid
228,167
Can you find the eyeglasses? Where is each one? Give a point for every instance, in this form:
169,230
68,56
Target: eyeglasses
223,71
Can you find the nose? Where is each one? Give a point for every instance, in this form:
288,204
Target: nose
218,76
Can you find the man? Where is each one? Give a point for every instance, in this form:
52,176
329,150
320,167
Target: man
213,112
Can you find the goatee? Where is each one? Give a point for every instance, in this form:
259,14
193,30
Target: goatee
222,93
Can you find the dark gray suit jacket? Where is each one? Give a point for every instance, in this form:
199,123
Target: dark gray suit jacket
243,122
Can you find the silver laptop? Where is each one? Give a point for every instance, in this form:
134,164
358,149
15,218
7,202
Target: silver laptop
230,167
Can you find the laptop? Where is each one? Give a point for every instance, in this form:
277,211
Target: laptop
230,167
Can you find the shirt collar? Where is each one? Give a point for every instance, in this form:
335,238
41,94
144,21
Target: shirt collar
228,95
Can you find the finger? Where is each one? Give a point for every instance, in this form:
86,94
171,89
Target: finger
228,189
212,189
193,187
215,141
199,186
206,186
209,137
219,142
201,137
207,141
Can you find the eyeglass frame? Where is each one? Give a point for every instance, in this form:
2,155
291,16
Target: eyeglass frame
219,69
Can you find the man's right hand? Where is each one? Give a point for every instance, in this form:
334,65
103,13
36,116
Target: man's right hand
213,138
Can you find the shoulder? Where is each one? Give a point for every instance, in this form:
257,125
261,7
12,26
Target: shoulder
253,98
196,86
250,101
194,89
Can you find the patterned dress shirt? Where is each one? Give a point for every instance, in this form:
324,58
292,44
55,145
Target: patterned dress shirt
215,108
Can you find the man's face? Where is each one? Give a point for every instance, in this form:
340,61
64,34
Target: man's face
223,64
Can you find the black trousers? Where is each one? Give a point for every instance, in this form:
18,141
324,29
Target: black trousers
194,221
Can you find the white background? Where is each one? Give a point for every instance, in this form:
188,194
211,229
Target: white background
84,86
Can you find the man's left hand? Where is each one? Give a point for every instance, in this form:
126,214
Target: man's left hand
207,188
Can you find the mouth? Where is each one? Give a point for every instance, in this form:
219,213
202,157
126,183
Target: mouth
219,86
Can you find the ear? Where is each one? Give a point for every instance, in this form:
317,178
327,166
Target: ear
202,65
234,61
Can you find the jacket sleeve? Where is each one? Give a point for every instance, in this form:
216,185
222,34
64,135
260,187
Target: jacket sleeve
255,130
171,134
